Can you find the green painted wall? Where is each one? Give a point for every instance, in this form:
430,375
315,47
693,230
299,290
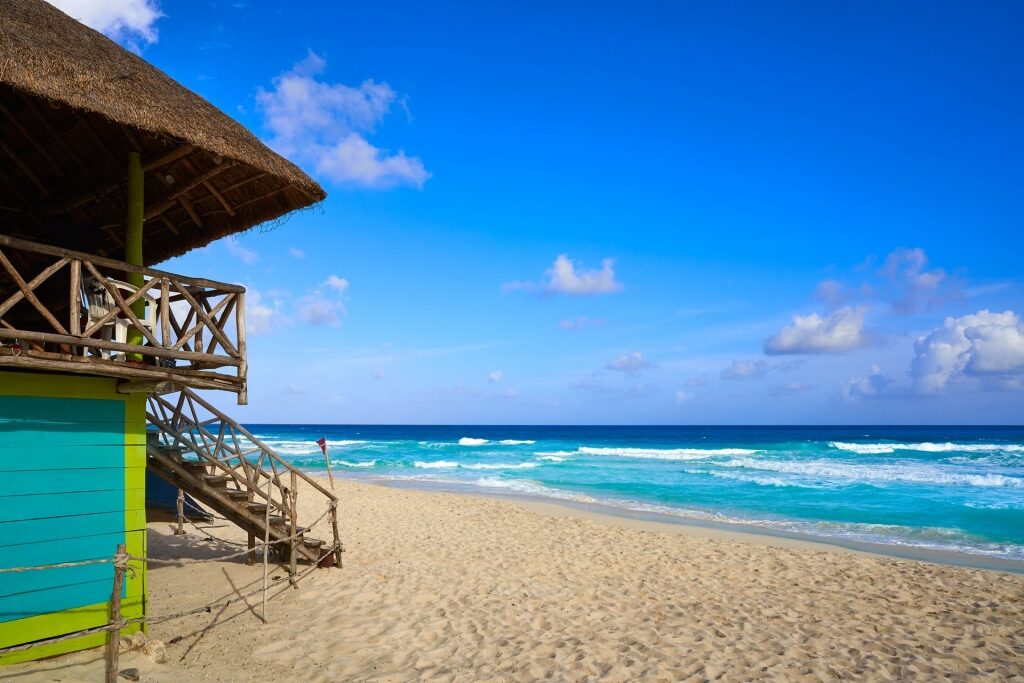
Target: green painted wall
72,487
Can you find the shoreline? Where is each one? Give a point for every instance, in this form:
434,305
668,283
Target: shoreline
690,526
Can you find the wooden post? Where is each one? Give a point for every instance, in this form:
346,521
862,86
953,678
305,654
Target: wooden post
243,356
133,243
266,546
251,557
180,531
337,538
293,497
75,323
114,635
327,459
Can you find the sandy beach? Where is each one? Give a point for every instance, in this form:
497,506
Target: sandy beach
449,587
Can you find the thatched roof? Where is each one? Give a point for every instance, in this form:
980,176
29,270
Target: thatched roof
73,104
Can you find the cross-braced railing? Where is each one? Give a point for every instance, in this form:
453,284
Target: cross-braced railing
188,421
66,310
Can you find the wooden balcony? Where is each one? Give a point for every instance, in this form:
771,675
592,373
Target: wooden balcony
67,311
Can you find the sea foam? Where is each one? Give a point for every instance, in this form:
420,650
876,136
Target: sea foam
926,447
820,469
666,453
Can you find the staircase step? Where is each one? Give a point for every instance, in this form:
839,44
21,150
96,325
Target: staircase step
235,494
218,481
313,542
257,508
195,466
277,520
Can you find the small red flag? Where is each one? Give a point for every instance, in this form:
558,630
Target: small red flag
322,443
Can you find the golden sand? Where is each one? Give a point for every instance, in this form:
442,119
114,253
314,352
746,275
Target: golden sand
448,587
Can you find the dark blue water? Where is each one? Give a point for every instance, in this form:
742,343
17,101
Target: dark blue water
949,488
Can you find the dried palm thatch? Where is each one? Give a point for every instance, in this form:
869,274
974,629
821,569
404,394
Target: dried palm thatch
73,104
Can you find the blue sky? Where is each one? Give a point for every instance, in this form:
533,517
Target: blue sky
728,213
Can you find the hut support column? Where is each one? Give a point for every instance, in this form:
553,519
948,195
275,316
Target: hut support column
133,243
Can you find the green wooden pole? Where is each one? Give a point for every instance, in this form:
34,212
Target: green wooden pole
133,242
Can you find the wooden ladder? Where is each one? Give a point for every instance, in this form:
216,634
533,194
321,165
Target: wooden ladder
198,449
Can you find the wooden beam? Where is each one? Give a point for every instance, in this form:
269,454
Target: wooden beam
31,284
190,210
34,247
146,386
98,140
171,156
30,295
210,188
57,137
33,140
156,351
245,181
87,366
169,224
24,168
167,202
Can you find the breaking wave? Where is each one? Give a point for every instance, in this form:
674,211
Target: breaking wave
820,469
666,453
926,447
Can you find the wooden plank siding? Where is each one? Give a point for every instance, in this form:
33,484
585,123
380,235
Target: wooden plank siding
72,487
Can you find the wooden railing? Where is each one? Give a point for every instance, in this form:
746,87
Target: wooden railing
193,332
196,426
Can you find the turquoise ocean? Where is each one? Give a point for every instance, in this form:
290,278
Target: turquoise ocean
957,489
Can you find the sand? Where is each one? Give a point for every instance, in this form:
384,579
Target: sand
449,587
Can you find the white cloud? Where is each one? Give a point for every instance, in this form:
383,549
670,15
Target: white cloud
295,252
356,161
495,376
564,278
981,347
874,384
247,256
260,318
746,369
336,284
841,331
325,125
630,363
317,309
324,305
683,397
127,21
916,286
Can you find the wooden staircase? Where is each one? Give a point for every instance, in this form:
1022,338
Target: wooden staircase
219,463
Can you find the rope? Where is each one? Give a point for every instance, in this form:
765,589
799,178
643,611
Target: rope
156,620
241,553
210,607
58,565
124,559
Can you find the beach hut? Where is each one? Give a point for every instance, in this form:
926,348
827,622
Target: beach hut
107,166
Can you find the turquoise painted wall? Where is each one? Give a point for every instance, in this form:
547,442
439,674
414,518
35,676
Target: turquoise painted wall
72,487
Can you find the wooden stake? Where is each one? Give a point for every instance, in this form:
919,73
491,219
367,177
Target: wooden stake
293,499
266,546
180,531
327,459
114,635
337,538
